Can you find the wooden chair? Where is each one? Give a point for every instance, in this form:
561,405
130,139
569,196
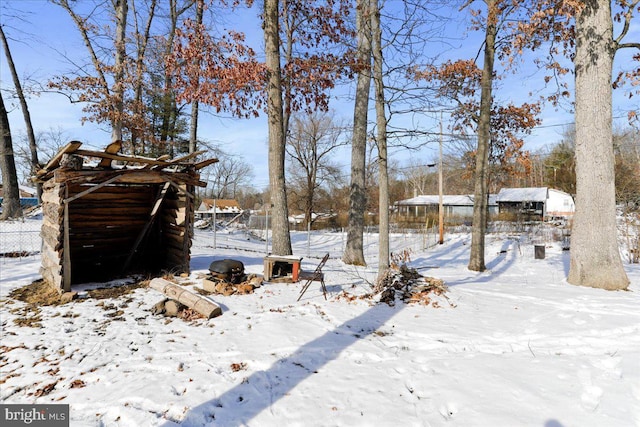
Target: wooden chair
315,276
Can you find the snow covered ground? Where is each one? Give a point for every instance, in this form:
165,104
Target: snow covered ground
514,346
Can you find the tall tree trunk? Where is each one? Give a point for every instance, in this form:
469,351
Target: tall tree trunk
33,148
168,99
310,193
381,122
195,107
595,257
193,127
289,32
119,75
354,251
280,222
139,109
11,192
476,258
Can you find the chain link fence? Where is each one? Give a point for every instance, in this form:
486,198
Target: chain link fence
20,238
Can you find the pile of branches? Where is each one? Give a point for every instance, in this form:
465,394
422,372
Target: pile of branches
401,282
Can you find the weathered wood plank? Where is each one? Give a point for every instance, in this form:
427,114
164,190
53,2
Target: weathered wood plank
204,163
184,158
163,158
66,252
52,278
52,222
107,211
91,221
52,210
92,231
121,157
112,148
119,189
51,236
71,198
55,160
52,195
129,176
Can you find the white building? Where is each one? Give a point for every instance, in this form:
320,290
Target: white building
536,202
223,208
460,206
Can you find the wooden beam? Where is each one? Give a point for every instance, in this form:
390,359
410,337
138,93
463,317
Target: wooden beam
204,163
120,157
188,156
66,250
91,190
112,148
183,158
186,240
164,157
181,190
55,161
129,176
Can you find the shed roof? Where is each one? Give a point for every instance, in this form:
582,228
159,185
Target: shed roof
24,191
138,168
220,204
448,200
527,194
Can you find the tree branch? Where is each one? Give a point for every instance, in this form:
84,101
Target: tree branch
627,24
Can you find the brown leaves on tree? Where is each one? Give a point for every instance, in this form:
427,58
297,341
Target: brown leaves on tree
225,73
550,25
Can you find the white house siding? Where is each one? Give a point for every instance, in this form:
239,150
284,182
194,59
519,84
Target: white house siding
559,204
547,202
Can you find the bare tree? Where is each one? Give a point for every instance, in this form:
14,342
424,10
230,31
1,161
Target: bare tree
110,94
595,257
227,176
141,43
195,105
33,148
121,11
354,252
11,192
311,141
476,258
169,108
280,217
381,140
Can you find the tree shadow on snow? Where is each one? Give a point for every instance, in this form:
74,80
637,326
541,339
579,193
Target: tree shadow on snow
496,263
458,258
239,405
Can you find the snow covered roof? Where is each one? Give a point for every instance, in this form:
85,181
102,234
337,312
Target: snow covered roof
299,219
222,205
448,200
527,194
24,191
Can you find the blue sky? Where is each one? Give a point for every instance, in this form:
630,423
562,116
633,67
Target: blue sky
41,40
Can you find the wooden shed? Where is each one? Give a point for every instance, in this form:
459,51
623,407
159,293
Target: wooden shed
103,220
